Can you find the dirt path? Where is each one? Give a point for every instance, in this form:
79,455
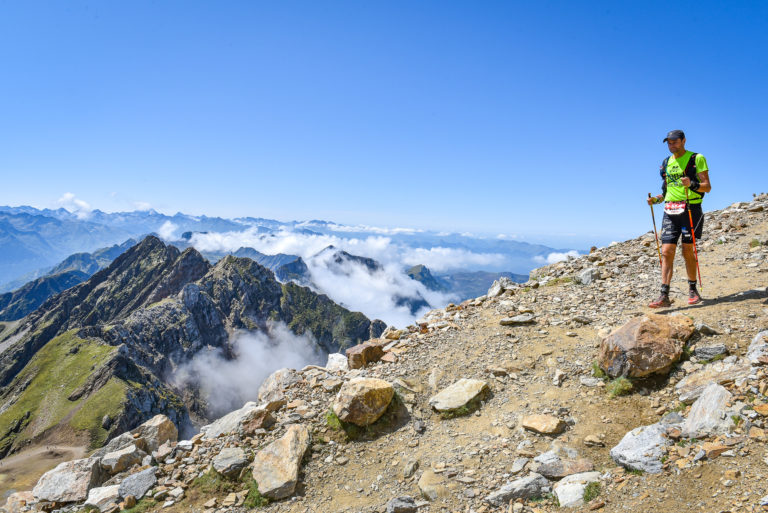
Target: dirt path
22,470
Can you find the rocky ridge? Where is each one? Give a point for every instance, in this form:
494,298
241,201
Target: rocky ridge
532,421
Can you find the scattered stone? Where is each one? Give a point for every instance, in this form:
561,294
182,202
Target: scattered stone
517,320
593,441
643,447
645,345
257,419
708,415
556,464
138,484
337,362
276,467
704,329
459,394
724,371
587,276
570,490
757,353
533,485
544,424
129,502
518,465
410,468
500,286
361,401
230,461
432,485
404,504
102,497
69,481
709,352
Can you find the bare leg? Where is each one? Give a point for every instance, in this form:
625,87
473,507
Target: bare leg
667,262
690,261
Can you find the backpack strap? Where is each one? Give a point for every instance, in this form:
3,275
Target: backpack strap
663,173
690,171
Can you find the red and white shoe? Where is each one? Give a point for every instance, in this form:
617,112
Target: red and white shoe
694,297
662,302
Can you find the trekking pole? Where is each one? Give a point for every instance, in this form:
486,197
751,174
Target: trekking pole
693,236
653,216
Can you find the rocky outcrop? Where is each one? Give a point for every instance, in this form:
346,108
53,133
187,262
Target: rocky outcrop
645,345
69,481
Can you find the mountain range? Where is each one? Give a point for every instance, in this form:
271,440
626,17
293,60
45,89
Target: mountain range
99,357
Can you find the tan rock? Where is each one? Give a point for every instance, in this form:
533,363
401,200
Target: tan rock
156,431
129,502
645,345
433,486
276,467
713,449
258,419
458,395
756,433
361,355
361,401
544,424
18,500
762,409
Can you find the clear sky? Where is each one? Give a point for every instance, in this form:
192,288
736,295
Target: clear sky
535,118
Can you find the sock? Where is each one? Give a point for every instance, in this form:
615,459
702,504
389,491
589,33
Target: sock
665,289
691,284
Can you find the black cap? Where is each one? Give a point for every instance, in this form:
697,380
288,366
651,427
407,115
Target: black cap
674,134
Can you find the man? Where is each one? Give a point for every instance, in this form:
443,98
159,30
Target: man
680,172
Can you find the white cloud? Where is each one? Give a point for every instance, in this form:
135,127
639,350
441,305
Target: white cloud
442,259
80,208
362,229
555,257
227,384
166,231
142,206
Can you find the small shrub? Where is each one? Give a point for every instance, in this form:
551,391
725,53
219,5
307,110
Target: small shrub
714,359
736,419
619,386
254,499
212,482
142,506
458,412
635,471
333,420
558,281
591,491
598,372
754,243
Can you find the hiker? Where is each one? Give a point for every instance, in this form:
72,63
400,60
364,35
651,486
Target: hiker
685,179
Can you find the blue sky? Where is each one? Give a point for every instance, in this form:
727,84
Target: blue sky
542,119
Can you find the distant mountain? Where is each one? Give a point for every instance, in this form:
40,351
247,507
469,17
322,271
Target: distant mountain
106,347
15,305
462,284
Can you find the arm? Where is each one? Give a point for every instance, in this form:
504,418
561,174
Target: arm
704,185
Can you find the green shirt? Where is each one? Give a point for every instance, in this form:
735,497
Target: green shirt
676,170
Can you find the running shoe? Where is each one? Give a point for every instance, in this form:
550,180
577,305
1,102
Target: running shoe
662,302
694,297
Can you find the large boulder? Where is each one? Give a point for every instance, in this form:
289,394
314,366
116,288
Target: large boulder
156,431
709,415
276,467
645,345
361,401
233,421
500,286
138,484
337,362
570,490
69,481
757,352
120,442
273,388
643,447
459,394
530,486
725,371
361,355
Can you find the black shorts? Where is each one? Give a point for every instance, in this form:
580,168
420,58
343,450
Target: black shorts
672,227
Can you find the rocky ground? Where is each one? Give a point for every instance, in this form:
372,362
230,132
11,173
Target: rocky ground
529,421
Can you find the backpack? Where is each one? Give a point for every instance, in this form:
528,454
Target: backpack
690,172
